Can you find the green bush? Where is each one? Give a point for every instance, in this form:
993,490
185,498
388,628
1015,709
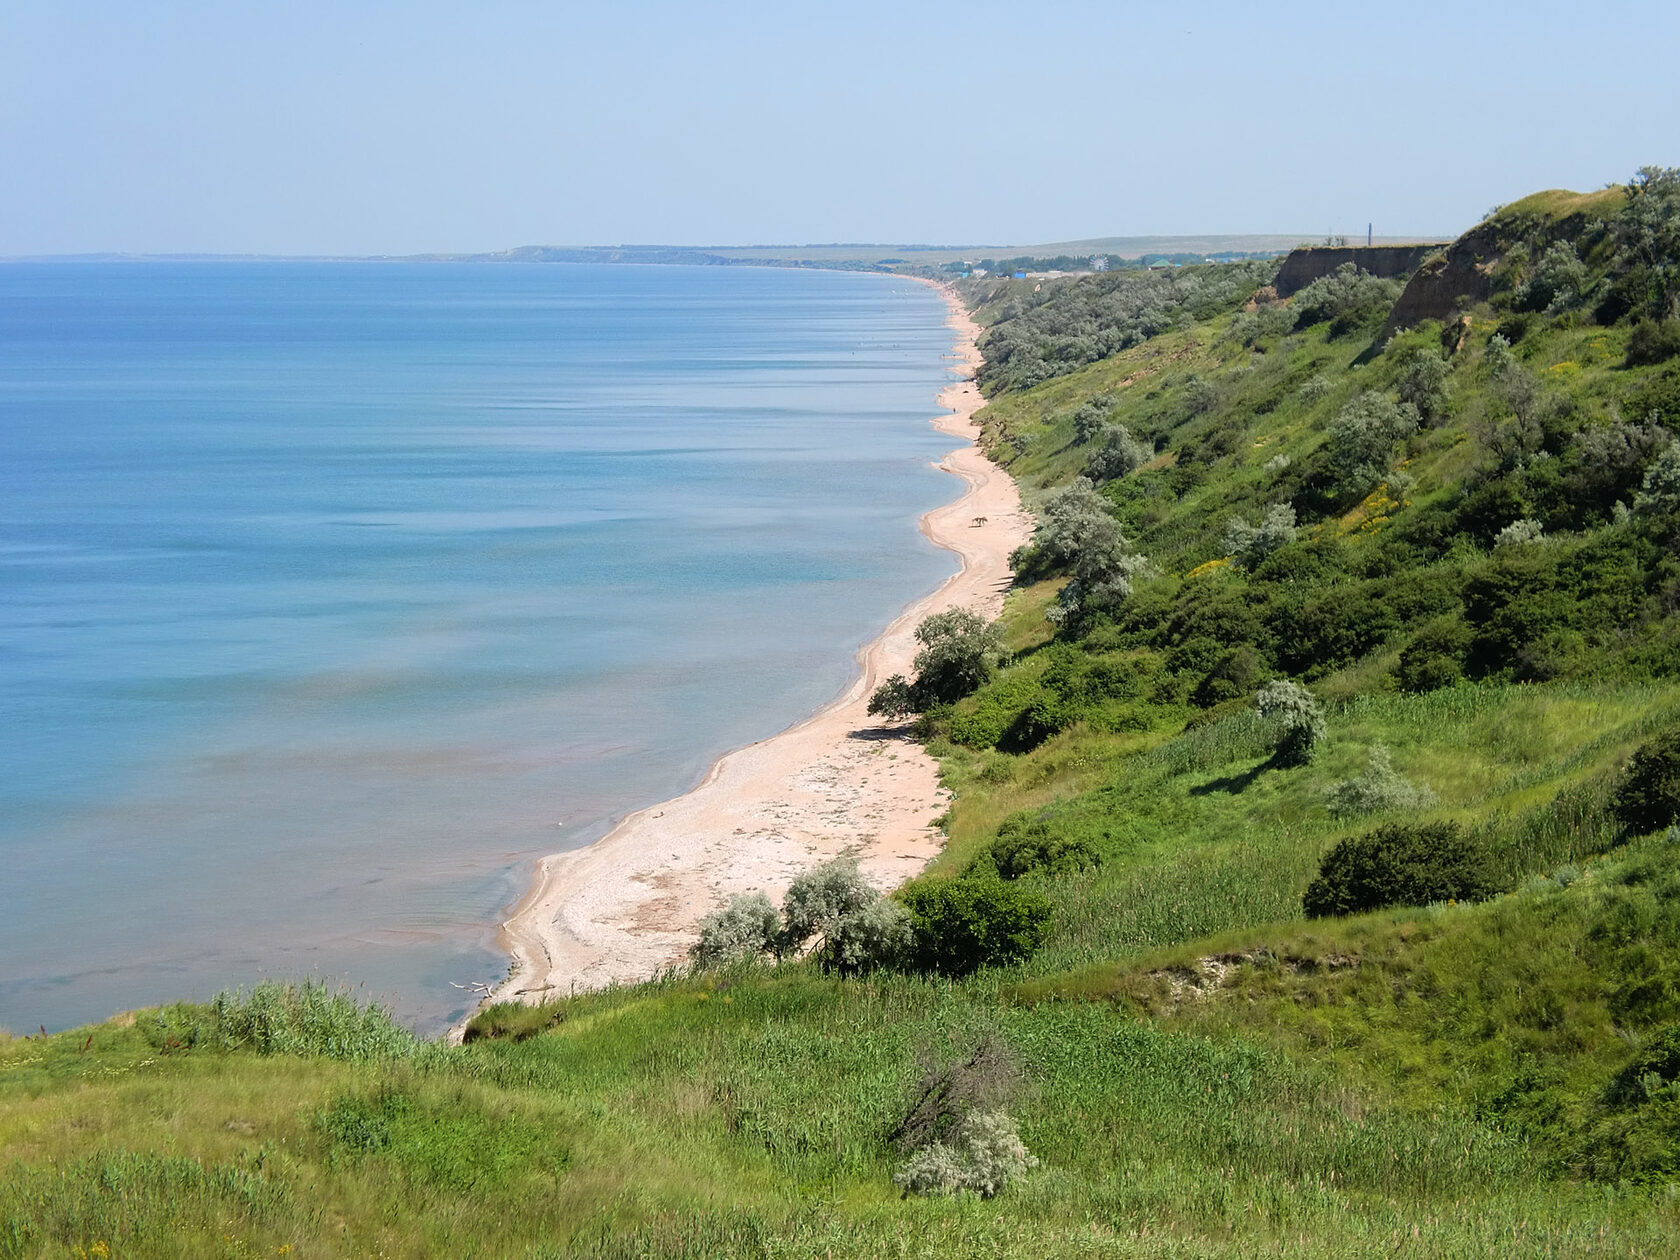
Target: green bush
1236,673
1117,454
960,652
1648,796
1558,281
978,920
1088,420
1400,865
1653,1074
1435,656
1028,845
1326,629
1250,544
1653,341
1423,384
1046,717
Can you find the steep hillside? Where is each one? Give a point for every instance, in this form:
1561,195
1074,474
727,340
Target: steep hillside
1376,625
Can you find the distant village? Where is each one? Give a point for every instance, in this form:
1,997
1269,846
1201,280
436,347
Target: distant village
1052,268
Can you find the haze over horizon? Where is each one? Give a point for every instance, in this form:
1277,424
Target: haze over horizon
420,128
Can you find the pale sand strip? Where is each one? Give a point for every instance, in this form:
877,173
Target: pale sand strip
625,907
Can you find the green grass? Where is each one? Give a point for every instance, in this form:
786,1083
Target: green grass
756,1115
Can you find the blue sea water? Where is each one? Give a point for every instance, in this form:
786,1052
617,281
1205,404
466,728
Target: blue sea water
331,595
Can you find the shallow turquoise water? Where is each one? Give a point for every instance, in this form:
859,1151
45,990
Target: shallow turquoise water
328,590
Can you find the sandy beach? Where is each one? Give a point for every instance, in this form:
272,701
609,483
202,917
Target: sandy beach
625,907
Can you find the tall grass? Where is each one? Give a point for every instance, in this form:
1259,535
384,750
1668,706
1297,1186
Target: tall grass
308,1018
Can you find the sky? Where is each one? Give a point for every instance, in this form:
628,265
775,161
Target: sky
351,127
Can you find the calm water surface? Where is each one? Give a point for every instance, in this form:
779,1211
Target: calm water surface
333,594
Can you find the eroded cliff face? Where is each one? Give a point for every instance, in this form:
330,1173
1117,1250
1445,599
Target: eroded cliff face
1312,262
1448,281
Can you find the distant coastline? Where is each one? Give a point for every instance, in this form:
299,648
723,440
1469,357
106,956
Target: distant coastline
914,260
624,908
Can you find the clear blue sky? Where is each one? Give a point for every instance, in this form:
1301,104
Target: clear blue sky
294,126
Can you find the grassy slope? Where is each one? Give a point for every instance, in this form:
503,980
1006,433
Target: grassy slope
1201,1071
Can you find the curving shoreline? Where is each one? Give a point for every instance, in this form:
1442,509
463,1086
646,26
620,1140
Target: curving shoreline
623,908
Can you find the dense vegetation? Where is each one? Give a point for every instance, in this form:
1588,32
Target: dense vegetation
1313,881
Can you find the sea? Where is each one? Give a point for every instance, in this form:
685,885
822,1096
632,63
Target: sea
333,595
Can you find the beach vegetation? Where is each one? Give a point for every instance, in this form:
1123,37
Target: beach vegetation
982,1155
1378,789
979,920
832,912
746,929
960,651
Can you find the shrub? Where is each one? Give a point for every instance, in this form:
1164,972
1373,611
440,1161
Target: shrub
1497,357
1423,384
1557,283
1660,491
820,897
1251,544
1399,865
1075,521
1646,237
1349,298
1648,795
1333,626
1435,657
1088,421
1200,396
746,928
1297,718
1118,454
948,1092
1316,388
1379,789
834,904
1077,531
1653,341
878,935
978,920
1653,1074
960,652
895,698
1236,673
984,1154
1026,846
1604,465
1526,530
1360,443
